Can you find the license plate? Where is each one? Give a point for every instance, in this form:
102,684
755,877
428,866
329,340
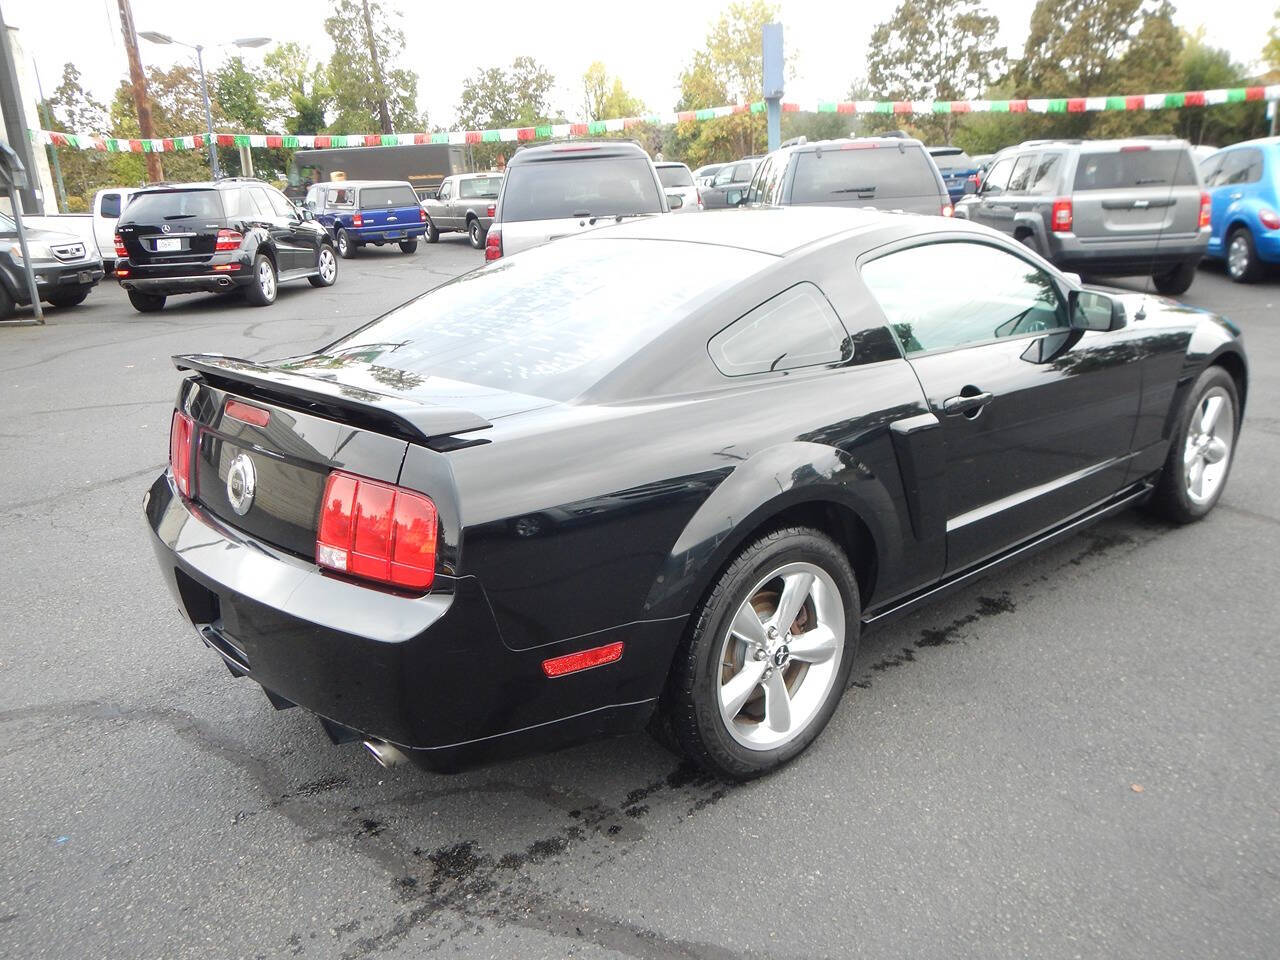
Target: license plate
167,244
84,276
395,233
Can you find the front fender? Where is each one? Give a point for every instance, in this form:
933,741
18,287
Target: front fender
762,487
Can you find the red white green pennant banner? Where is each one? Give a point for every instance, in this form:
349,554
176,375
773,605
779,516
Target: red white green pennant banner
1140,101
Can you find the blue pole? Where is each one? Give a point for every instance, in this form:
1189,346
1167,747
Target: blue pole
772,61
774,110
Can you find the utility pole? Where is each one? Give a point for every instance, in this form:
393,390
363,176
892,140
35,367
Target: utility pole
772,62
47,119
384,115
155,173
15,123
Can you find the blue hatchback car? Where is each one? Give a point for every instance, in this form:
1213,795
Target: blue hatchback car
957,169
359,212
1243,181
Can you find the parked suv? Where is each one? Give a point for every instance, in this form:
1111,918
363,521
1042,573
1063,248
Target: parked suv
464,202
888,173
218,237
729,184
1100,207
66,269
359,212
559,189
1244,192
677,183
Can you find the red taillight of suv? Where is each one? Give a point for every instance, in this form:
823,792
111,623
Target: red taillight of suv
1268,218
182,431
228,240
1060,216
948,210
422,215
121,251
377,531
490,210
493,244
1206,209
358,221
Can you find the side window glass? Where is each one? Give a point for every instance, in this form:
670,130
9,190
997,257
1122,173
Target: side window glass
236,204
757,189
110,205
1211,169
340,197
1044,176
446,190
723,176
259,201
1242,166
975,293
797,328
998,177
1021,173
281,205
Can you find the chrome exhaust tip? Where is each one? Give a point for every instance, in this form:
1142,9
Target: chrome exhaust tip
224,281
384,754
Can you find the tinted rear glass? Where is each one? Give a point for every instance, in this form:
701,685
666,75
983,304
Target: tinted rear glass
675,176
551,321
954,161
555,189
388,197
485,187
1135,168
173,205
880,172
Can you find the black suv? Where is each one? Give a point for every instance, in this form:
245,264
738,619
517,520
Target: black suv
888,173
217,237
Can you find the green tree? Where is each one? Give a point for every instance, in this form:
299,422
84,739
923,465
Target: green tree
605,98
295,89
935,50
177,109
1271,52
1202,67
237,89
369,92
519,96
71,109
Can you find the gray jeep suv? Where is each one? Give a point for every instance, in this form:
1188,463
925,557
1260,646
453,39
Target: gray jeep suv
1100,207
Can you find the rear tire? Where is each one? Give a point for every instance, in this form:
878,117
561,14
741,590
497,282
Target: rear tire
1243,265
1178,280
7,305
262,292
742,707
70,298
346,246
432,233
326,268
1203,448
408,246
146,302
475,233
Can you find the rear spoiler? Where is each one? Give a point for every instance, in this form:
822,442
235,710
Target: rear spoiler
400,416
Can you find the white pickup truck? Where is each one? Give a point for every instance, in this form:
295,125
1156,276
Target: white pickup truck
96,230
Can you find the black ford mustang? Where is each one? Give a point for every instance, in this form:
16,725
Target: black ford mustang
665,473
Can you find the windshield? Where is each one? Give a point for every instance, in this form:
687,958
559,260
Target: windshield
948,162
597,187
675,176
173,205
877,173
1135,167
549,322
388,197
485,188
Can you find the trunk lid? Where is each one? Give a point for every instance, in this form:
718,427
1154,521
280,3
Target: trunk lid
1134,193
172,226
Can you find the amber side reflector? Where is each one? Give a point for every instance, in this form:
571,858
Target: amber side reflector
582,660
247,414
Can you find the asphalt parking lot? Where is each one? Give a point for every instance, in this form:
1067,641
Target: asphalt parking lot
1076,758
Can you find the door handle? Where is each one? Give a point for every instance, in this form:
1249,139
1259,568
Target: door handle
965,404
1236,196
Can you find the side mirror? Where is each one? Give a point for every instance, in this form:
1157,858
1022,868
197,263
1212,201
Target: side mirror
675,201
1094,311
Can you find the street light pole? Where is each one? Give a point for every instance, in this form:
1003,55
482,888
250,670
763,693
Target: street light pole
211,139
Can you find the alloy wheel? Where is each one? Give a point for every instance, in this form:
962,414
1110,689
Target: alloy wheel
1207,452
780,656
267,279
476,240
328,265
1238,256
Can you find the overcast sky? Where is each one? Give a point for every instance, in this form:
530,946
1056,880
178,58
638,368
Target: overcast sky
646,43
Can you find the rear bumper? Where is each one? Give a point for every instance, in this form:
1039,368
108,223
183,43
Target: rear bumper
1126,257
167,279
167,286
51,277
428,674
388,234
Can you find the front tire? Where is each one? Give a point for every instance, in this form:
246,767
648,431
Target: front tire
70,298
346,246
146,302
432,233
262,292
1243,265
408,246
475,233
1178,280
1201,453
326,268
767,656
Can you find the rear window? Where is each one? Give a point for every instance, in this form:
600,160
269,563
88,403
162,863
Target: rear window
551,321
1143,167
948,162
675,177
485,188
872,173
173,205
110,205
556,189
388,197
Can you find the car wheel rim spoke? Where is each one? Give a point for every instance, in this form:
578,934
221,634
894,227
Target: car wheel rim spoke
780,655
1207,453
1212,408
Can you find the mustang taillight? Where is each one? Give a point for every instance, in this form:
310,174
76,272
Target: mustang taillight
182,431
493,244
121,250
377,531
1060,216
228,240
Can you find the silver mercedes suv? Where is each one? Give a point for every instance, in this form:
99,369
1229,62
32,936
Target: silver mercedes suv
1100,207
